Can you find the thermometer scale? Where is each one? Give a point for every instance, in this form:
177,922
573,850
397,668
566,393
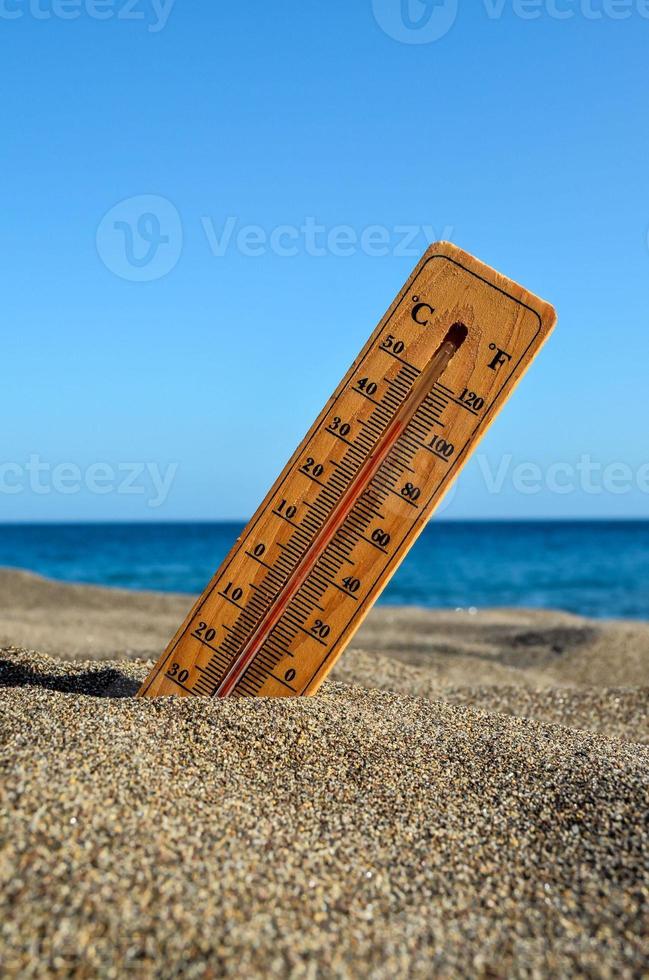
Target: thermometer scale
361,485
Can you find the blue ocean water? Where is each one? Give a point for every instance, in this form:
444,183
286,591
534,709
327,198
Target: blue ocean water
592,568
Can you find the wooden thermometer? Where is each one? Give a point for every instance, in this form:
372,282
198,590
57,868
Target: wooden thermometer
361,485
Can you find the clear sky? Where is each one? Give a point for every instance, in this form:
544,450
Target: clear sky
250,132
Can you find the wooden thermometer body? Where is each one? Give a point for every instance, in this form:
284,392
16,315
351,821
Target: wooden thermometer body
361,485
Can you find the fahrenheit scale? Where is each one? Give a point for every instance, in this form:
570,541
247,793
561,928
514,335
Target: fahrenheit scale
361,485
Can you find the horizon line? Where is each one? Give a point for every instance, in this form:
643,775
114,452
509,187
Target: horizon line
244,520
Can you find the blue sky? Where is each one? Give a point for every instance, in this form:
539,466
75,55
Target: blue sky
519,131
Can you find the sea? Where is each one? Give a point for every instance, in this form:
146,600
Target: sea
596,569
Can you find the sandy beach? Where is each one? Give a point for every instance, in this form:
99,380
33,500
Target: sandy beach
468,796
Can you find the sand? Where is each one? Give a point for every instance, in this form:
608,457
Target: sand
469,796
